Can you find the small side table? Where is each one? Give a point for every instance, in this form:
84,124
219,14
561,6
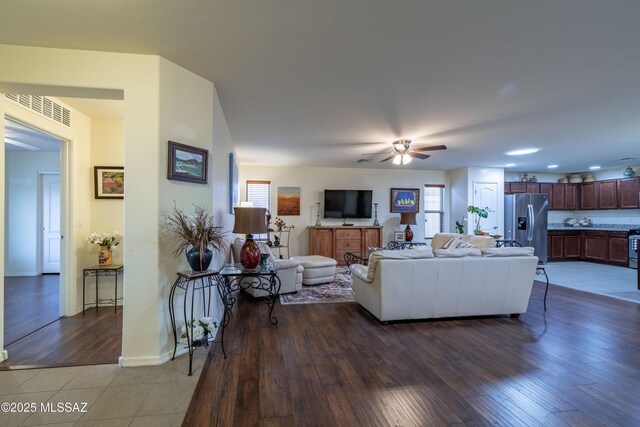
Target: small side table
194,281
98,271
233,278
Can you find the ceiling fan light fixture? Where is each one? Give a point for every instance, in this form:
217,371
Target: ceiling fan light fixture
401,144
401,159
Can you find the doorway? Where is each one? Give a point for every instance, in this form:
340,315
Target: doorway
32,230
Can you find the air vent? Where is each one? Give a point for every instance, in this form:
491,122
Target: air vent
43,106
363,160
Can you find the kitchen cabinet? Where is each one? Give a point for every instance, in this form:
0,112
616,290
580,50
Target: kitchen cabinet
628,193
518,187
617,248
588,196
507,188
607,194
335,242
532,187
559,193
608,247
570,197
547,188
595,245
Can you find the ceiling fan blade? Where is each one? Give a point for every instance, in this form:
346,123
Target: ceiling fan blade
378,153
432,148
388,158
418,155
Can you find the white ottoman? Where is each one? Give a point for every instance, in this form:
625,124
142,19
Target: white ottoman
317,269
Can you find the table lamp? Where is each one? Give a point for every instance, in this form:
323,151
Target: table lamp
408,218
250,221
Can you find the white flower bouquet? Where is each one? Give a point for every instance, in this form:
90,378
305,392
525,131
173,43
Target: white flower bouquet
110,240
201,328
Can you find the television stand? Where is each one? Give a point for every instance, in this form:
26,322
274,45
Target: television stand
344,223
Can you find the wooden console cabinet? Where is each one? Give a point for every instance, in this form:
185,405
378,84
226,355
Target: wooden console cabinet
334,242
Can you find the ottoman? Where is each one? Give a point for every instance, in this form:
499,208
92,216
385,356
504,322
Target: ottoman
317,269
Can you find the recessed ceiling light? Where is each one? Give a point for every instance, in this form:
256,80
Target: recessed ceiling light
510,165
522,152
593,168
552,166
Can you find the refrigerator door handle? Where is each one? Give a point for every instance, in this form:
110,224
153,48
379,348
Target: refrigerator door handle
531,222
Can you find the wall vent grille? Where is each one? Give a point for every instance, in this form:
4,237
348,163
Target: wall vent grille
43,106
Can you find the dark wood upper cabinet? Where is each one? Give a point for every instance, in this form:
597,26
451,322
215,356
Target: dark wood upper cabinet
607,194
533,187
518,187
548,190
589,196
629,193
570,197
507,188
558,197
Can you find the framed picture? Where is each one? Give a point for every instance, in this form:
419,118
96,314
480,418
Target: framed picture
288,201
234,189
109,182
398,236
405,200
187,163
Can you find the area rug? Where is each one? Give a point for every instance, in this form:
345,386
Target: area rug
337,291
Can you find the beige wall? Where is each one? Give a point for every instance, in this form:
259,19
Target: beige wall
162,101
313,181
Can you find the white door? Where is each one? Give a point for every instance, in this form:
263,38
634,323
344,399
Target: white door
485,195
50,223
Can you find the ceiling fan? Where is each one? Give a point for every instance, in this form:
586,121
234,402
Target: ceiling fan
402,154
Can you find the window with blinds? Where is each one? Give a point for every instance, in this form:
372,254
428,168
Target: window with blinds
259,193
433,209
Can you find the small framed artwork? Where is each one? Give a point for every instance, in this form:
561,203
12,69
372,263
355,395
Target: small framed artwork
109,182
187,163
234,190
398,236
405,200
288,201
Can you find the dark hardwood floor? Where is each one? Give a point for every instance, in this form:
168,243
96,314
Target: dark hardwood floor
30,302
93,339
333,364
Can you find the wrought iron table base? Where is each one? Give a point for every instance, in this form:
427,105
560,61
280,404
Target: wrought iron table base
99,271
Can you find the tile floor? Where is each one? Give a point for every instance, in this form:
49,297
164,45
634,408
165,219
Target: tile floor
617,282
145,396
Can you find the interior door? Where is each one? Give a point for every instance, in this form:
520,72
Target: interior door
485,195
50,223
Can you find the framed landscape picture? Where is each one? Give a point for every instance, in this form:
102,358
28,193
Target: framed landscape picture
109,182
405,200
288,201
187,163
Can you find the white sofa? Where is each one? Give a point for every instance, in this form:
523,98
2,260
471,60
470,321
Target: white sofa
412,285
289,271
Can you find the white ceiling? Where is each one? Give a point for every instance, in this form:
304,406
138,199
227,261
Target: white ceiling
33,139
322,82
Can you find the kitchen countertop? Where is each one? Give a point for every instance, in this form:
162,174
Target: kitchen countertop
595,227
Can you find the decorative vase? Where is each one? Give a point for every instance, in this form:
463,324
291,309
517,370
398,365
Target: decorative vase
408,234
104,257
250,253
198,261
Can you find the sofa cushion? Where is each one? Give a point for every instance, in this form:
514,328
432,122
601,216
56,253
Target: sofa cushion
508,251
440,239
376,256
457,253
361,271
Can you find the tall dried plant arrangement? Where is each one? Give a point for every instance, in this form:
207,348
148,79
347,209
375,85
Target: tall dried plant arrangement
195,231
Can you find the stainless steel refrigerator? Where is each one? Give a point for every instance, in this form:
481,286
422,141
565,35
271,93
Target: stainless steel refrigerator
525,221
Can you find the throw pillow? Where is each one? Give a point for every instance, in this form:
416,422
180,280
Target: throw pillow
457,253
456,243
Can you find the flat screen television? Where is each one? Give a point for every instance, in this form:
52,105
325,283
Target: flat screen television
347,203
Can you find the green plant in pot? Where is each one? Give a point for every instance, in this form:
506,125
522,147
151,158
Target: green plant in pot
459,227
197,236
479,213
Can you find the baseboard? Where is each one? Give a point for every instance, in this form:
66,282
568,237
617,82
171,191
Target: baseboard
128,362
20,274
4,355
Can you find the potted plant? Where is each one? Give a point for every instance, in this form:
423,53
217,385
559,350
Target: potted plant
197,236
479,213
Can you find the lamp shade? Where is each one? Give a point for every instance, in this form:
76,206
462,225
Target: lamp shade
250,221
408,218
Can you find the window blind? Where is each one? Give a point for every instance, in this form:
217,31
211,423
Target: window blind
433,209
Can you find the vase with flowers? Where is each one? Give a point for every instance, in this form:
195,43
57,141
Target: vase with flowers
106,241
280,223
197,236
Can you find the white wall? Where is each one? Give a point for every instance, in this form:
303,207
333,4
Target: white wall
613,216
609,173
162,101
313,181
